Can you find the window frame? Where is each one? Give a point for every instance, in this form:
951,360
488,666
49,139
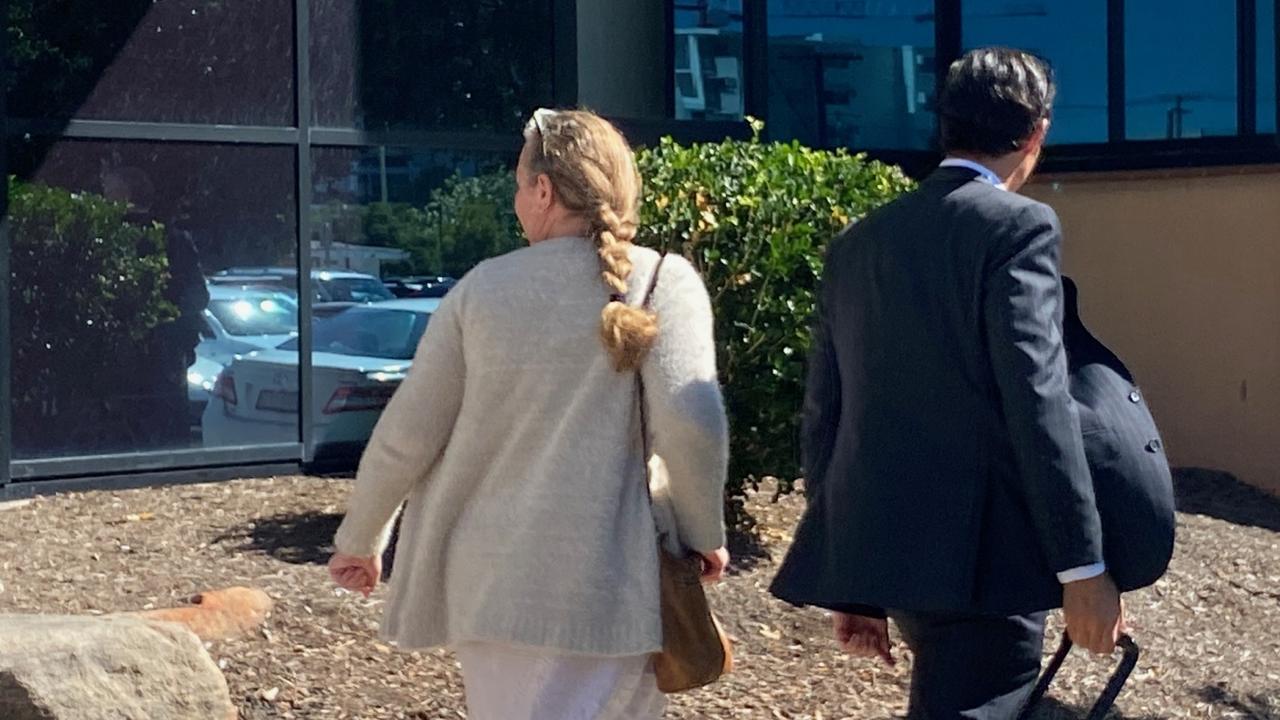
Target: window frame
18,478
1246,147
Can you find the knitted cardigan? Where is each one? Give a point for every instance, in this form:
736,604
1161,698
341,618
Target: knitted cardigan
517,446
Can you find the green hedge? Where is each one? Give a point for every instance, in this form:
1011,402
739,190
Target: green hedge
755,219
88,289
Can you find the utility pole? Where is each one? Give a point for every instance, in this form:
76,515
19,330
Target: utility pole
1173,118
382,171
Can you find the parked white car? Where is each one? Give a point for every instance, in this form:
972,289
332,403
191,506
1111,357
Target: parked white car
361,353
238,320
246,317
327,285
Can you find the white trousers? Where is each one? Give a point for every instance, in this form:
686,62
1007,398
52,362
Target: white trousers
505,682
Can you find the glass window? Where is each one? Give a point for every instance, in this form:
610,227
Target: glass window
341,287
193,61
1267,66
399,211
708,60
1072,35
412,219
408,64
119,342
1180,69
851,72
252,312
370,331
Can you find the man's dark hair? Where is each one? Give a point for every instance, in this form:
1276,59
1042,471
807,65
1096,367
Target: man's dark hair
992,100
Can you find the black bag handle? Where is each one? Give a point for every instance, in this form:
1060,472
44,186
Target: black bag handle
1109,693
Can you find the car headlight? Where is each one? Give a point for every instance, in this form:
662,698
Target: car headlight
385,376
199,380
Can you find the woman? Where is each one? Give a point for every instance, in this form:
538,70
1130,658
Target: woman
528,544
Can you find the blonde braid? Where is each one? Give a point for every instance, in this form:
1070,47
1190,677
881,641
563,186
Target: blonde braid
628,332
613,246
594,173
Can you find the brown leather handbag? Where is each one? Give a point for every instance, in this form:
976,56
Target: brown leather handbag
695,649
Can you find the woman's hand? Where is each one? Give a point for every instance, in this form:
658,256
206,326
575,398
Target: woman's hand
713,564
358,574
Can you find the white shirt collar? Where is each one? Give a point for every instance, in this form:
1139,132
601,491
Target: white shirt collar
984,173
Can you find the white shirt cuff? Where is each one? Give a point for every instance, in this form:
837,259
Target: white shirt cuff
1084,572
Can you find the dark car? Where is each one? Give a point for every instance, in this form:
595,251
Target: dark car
420,286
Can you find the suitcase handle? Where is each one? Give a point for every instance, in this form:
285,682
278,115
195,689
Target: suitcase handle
1109,694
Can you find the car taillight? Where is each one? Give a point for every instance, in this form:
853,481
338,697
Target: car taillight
352,398
225,388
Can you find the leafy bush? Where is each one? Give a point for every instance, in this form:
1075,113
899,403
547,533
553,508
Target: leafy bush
465,221
755,218
88,288
475,220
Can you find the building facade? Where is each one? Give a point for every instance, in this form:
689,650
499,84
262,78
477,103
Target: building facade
166,159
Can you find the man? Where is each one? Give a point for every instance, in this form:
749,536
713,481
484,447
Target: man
945,471
160,370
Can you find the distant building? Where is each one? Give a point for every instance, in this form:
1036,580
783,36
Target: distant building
358,258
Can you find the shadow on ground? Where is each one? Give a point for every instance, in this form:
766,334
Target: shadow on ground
297,538
745,546
1051,709
1219,494
1262,706
294,538
307,539
1245,707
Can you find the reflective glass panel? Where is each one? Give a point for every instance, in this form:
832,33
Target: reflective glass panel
1072,36
1180,69
408,64
190,61
855,73
123,340
708,60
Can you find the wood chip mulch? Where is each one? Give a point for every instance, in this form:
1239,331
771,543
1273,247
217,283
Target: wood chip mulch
1210,629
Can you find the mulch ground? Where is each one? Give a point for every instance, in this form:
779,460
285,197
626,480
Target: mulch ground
1210,629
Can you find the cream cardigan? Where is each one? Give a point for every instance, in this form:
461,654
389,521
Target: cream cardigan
517,446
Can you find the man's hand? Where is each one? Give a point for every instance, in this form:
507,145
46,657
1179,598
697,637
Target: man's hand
1094,613
863,636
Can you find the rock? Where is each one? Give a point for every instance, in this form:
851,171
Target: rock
57,667
219,614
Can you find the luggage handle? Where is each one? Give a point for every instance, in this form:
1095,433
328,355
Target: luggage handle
1109,694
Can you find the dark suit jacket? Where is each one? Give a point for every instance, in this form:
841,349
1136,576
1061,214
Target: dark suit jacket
1131,477
945,468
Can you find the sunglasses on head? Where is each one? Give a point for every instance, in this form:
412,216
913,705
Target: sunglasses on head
540,118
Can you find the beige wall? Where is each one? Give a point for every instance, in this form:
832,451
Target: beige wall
1180,274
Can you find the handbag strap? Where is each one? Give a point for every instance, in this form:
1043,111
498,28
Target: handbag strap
646,302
